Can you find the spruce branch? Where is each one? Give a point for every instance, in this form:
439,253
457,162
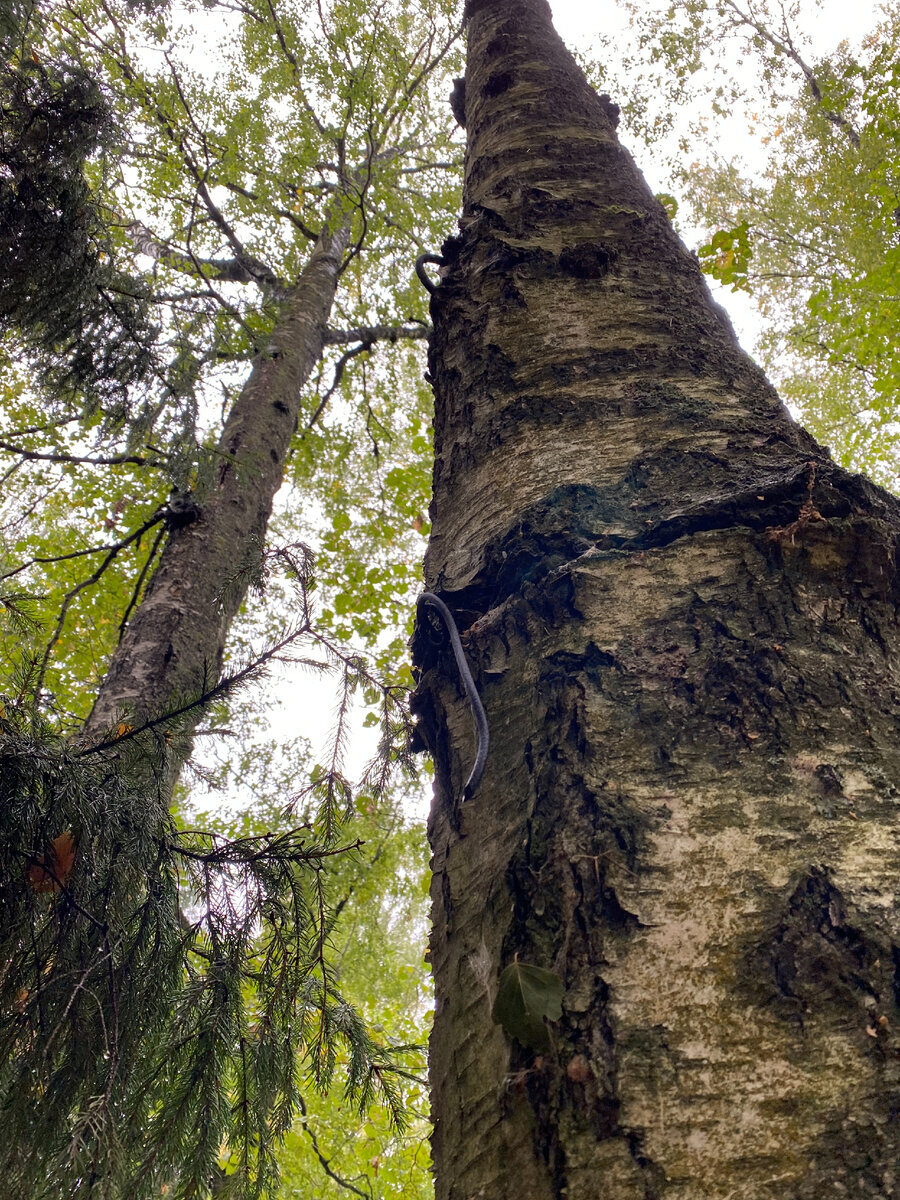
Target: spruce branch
163,996
205,697
111,460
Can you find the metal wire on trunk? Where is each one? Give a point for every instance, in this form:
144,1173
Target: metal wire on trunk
479,716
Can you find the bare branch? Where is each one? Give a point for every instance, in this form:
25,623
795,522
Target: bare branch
112,460
54,558
376,333
338,376
158,516
295,69
42,428
144,572
324,1162
786,46
366,336
308,233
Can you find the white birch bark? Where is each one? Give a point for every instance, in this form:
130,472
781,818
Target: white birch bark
682,618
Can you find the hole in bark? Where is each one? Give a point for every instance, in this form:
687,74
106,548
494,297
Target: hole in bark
499,82
499,45
586,261
181,510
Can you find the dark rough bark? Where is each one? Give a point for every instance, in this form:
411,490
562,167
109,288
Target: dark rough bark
172,649
683,621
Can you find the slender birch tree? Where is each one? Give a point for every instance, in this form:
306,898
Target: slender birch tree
168,994
288,195
665,940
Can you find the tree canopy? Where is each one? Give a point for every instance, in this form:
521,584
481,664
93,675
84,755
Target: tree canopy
803,213
178,989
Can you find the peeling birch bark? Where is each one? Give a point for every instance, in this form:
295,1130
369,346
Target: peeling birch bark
682,619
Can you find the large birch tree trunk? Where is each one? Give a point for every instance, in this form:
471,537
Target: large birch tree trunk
682,618
172,649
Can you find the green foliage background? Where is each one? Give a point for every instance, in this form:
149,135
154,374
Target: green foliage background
790,165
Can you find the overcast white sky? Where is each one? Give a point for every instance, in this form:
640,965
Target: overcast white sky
827,23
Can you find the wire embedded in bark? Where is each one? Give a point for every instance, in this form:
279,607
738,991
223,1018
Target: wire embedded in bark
479,716
427,283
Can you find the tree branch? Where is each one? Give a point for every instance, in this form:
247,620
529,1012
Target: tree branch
54,558
366,336
112,460
376,333
253,269
223,270
247,194
158,516
787,47
42,428
291,59
144,572
206,695
325,1162
338,376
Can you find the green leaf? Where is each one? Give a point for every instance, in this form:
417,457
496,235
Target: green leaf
727,256
669,203
526,996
